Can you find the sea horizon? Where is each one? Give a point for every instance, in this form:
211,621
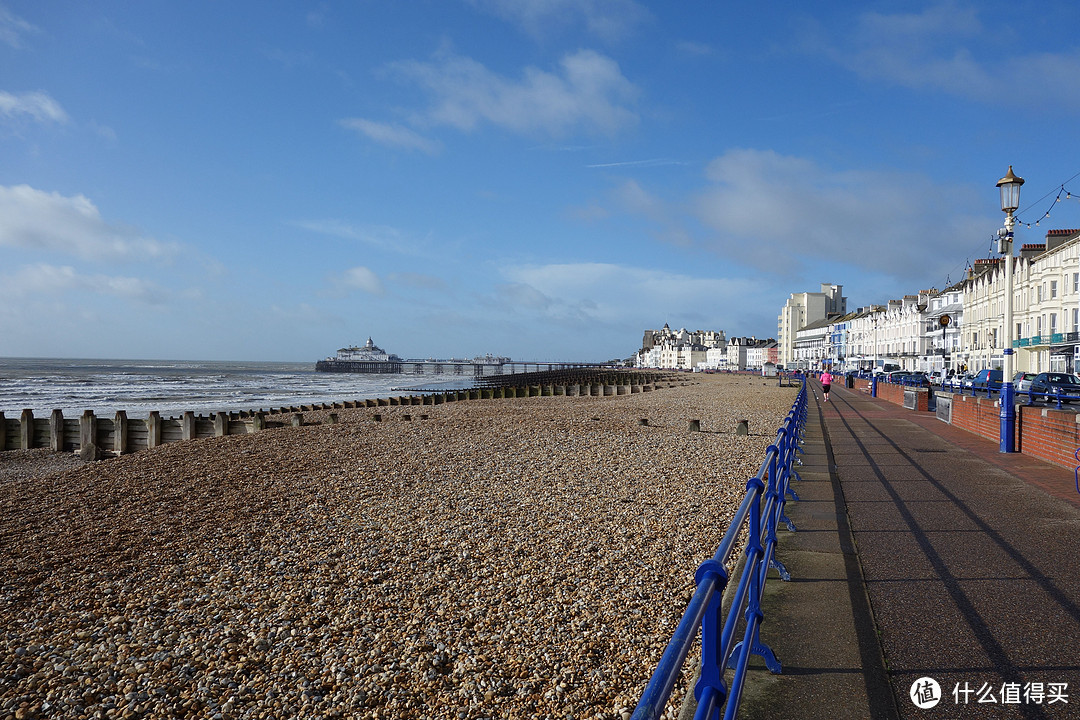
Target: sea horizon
172,387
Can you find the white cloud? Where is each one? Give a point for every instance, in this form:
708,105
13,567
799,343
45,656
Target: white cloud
611,20
774,212
382,237
13,28
49,280
927,50
636,200
360,278
36,220
419,281
587,91
394,135
38,105
579,294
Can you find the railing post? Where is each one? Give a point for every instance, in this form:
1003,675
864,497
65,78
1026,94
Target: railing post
704,607
712,667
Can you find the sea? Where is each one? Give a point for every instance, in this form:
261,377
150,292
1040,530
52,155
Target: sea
173,387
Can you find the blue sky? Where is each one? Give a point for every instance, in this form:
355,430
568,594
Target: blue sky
542,179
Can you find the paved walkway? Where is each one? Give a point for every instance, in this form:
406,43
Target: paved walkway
922,551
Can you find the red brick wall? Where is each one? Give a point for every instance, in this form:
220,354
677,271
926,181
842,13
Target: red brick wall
1050,435
895,394
978,415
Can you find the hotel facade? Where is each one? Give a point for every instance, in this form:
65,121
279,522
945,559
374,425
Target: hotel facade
958,329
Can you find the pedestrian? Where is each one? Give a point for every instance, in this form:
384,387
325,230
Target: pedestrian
826,384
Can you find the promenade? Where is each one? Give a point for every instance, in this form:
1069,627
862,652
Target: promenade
921,552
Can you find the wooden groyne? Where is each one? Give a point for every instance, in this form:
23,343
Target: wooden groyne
93,436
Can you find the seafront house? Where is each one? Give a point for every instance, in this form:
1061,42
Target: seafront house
957,329
677,349
759,353
1046,307
813,349
802,309
944,328
862,327
748,353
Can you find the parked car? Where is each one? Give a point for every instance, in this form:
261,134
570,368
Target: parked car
1022,381
918,378
1049,385
987,380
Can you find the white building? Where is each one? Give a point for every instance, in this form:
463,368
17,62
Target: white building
944,331
1046,307
802,309
749,353
960,328
811,350
716,358
759,353
677,350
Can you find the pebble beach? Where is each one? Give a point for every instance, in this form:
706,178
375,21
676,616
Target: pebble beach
518,558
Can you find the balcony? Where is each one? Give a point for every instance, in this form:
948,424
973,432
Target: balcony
1044,340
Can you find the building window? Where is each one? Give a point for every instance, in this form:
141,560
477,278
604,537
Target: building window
1076,283
1053,289
1076,320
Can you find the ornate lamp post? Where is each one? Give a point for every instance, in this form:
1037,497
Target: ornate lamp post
1010,201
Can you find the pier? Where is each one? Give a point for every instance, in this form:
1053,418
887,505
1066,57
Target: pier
477,368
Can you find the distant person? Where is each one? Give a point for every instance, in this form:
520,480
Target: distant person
826,384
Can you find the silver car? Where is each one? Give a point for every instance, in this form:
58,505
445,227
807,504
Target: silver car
1022,381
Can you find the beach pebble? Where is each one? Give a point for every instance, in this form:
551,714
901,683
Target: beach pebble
512,558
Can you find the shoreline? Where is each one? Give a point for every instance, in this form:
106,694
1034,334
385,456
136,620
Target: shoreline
502,558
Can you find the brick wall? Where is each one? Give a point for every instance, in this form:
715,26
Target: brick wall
895,393
1049,434
979,415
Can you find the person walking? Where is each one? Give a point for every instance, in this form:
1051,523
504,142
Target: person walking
826,384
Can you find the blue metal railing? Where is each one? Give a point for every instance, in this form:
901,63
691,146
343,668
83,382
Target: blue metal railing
762,509
1055,395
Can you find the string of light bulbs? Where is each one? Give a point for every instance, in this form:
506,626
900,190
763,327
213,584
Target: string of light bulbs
1063,192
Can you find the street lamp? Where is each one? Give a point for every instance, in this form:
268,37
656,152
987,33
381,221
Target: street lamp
1010,201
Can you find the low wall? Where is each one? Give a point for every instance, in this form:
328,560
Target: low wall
978,415
1048,434
913,398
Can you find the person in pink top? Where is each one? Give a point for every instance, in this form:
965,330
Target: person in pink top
826,384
